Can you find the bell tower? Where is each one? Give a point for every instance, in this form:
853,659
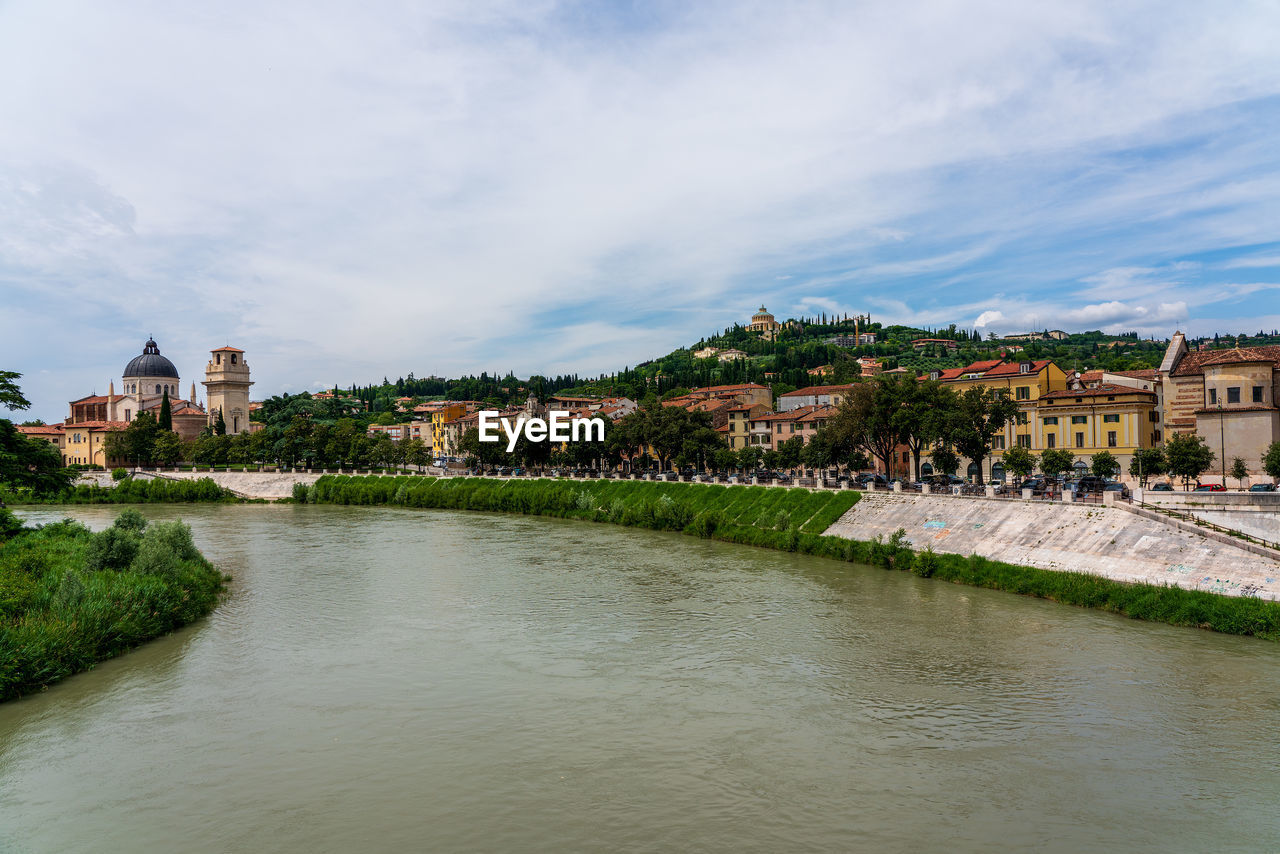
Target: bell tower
226,388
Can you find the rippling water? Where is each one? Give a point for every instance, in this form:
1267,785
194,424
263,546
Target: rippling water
390,680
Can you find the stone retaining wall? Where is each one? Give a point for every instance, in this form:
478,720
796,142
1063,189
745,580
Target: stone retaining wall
1099,539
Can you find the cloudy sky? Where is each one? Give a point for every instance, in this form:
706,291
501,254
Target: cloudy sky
348,191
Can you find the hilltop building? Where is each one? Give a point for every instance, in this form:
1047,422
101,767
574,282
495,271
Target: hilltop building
764,323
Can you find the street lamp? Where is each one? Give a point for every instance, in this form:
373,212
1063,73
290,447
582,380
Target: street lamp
1222,446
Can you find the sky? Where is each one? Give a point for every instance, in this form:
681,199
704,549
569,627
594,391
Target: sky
351,191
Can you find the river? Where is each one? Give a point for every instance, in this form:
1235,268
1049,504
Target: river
394,680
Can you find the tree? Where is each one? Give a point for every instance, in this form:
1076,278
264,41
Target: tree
920,415
981,413
866,420
1239,470
1271,460
749,458
135,442
416,453
219,425
1055,461
945,460
789,453
1147,463
1104,464
167,448
1019,462
10,395
28,463
1188,457
166,413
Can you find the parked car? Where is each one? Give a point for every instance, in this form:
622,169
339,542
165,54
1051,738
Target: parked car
1117,486
670,475
1035,484
1089,483
1263,487
879,480
1162,486
1210,487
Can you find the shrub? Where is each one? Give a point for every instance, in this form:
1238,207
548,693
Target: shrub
164,547
926,563
119,474
131,520
115,548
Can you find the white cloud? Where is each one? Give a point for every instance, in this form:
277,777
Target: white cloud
355,191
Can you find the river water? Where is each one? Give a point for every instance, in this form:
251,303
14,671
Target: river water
395,680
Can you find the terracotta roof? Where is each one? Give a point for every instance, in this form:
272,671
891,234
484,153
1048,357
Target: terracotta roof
818,412
817,389
188,410
1009,369
1091,376
227,350
44,430
93,398
951,373
1195,363
713,389
1149,374
96,425
1104,390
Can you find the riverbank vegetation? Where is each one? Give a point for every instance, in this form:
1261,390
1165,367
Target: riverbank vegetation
793,520
70,598
127,491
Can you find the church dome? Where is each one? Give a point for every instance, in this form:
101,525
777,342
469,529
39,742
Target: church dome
150,363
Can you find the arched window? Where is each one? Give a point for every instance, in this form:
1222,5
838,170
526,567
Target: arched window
997,472
926,469
974,472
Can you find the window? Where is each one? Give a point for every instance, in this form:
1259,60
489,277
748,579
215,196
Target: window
1155,437
1233,394
997,442
1023,392
1052,419
1079,419
906,456
157,389
1257,394
1079,440
1111,438
1155,416
217,358
1051,441
1021,418
1111,418
233,358
1213,396
1024,441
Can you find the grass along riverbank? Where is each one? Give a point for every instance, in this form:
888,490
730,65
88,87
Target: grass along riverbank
70,598
792,520
130,491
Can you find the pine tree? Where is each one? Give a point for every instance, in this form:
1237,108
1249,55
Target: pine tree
166,416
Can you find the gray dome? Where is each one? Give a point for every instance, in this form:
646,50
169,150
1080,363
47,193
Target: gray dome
150,363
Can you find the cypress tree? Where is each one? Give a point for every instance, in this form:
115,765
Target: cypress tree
220,426
166,416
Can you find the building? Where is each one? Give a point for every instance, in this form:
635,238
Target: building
706,352
814,395
922,343
739,392
867,338
1118,419
739,423
730,355
226,382
764,323
869,366
1227,397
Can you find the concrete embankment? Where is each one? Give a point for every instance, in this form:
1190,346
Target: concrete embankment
253,484
1254,513
1097,539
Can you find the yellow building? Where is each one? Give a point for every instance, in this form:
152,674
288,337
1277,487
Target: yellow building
1115,418
739,423
450,411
